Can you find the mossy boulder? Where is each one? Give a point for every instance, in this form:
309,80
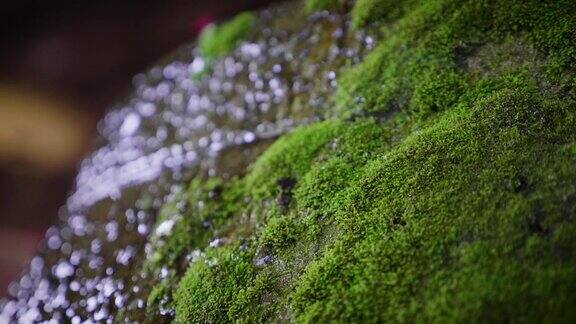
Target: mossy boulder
440,185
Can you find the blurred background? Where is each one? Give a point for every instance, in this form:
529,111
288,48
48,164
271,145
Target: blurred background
62,64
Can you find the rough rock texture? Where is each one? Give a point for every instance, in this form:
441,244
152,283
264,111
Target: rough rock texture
437,184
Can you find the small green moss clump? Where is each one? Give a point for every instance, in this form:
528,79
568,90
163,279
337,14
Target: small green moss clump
217,279
311,6
288,158
366,12
216,41
443,189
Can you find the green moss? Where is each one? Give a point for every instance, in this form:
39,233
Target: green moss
442,190
365,12
210,285
424,62
289,157
159,297
280,232
200,213
311,6
493,177
189,211
216,41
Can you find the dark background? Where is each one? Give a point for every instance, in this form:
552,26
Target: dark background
62,64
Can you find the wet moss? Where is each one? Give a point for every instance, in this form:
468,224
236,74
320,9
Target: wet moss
419,65
197,215
218,40
367,12
442,190
289,157
493,177
212,285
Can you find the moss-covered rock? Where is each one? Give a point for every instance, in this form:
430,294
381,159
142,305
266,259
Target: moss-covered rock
440,188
